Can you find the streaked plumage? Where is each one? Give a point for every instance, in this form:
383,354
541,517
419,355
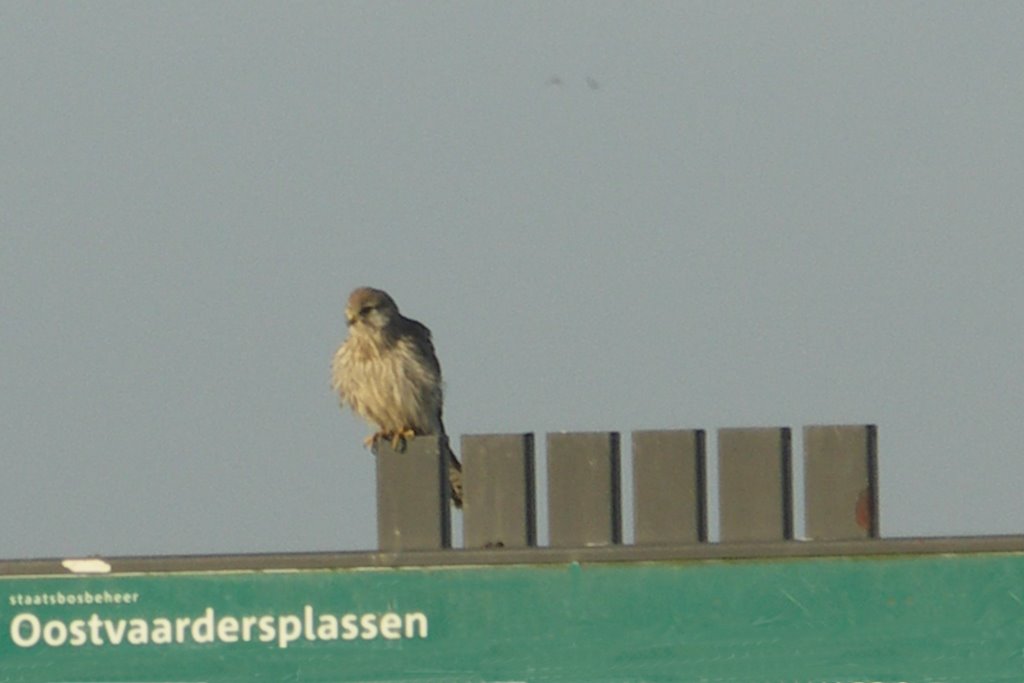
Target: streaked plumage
388,373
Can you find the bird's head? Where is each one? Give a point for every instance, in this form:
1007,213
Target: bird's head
369,310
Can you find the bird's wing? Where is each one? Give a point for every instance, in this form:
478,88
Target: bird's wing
420,340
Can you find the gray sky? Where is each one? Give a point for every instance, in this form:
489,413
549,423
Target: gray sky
764,214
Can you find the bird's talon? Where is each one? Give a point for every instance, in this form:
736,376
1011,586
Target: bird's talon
373,439
400,438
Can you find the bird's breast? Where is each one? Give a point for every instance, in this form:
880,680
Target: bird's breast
388,386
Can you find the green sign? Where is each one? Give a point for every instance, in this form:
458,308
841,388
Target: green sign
948,618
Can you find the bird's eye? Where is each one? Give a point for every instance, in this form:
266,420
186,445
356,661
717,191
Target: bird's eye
366,309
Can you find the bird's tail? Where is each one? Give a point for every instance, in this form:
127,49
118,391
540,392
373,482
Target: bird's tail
455,477
454,466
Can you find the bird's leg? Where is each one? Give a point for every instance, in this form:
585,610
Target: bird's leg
400,437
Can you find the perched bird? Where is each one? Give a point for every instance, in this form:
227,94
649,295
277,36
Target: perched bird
387,371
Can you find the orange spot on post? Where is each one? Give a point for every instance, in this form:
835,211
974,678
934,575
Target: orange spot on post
863,510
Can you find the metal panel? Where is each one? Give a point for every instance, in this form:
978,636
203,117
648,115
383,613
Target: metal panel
413,496
668,487
583,489
840,481
615,554
498,490
754,483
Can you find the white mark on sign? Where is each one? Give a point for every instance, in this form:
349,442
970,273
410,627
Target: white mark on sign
86,565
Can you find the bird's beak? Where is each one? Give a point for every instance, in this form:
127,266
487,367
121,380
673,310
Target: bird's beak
349,322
